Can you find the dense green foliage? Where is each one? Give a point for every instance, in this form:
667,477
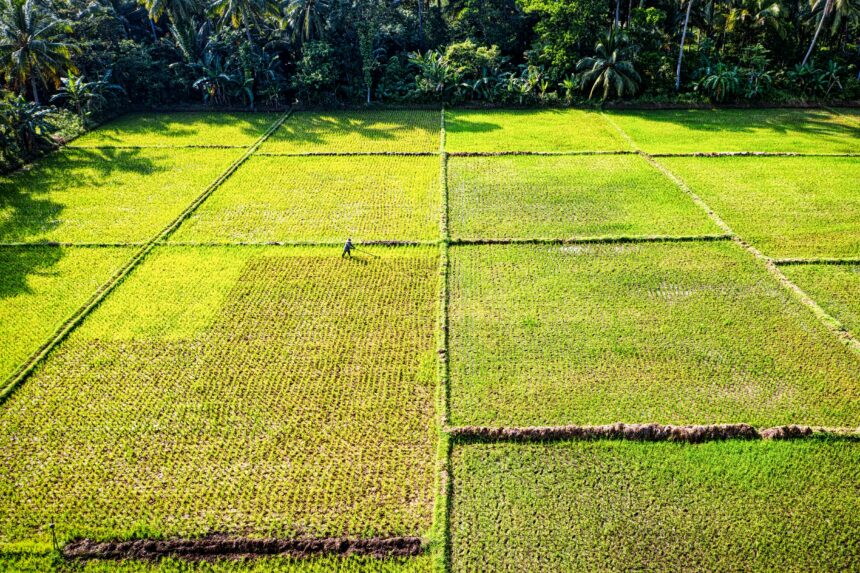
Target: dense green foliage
95,57
274,391
563,197
680,333
835,287
621,506
785,206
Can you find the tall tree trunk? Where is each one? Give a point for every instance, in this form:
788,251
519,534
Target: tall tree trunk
35,89
152,29
421,25
681,51
617,13
824,14
368,95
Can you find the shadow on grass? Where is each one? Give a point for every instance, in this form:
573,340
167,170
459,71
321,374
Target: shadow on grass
17,264
177,126
319,128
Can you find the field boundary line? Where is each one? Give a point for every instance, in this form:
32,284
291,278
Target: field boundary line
594,240
349,154
373,243
165,147
54,244
223,546
23,371
717,154
441,533
816,261
692,434
624,135
830,322
536,153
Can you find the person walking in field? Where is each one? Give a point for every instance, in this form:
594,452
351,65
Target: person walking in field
347,249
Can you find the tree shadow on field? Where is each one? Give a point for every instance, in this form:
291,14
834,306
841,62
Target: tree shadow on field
311,128
166,129
812,122
18,264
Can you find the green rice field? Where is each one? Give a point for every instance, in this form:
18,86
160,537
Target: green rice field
188,360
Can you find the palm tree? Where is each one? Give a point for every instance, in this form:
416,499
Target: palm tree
608,69
683,38
31,46
824,13
241,13
843,12
306,19
81,94
177,10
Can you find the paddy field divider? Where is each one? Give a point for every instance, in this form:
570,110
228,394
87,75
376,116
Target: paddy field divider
829,321
23,371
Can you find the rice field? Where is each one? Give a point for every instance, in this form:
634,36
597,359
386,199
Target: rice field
187,359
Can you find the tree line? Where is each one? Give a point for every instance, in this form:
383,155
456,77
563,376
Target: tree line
69,62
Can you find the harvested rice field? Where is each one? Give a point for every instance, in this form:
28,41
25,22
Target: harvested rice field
563,340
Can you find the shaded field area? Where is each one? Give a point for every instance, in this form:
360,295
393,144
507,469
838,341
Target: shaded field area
267,392
41,287
322,199
674,333
626,506
179,130
835,287
415,131
731,130
567,197
105,195
529,130
785,206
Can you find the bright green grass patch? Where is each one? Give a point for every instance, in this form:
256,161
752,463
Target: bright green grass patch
104,195
40,287
299,402
39,563
679,333
785,206
690,131
358,131
628,506
835,287
567,196
530,130
180,130
322,199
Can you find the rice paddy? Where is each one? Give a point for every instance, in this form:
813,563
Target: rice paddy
188,359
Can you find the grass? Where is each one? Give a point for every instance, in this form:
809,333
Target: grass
322,199
298,401
565,197
180,130
415,131
675,333
628,506
699,131
40,287
39,563
530,130
784,206
835,287
97,196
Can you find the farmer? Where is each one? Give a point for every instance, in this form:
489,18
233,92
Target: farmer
347,248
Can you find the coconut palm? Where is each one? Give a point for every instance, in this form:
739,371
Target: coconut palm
177,10
306,19
32,50
84,96
841,11
241,13
608,69
683,38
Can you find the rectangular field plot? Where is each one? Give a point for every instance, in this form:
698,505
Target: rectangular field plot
836,288
255,391
105,196
676,333
709,131
632,506
414,131
40,287
567,197
784,206
322,199
180,130
530,130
